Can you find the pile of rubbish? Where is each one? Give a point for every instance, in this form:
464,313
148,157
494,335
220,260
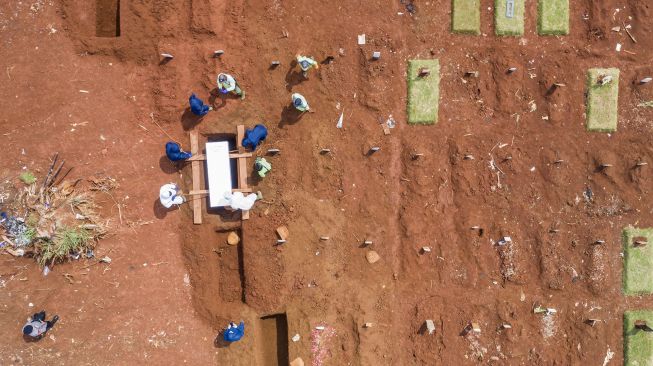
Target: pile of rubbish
54,223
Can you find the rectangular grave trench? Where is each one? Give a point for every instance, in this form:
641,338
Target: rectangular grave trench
232,268
274,340
107,18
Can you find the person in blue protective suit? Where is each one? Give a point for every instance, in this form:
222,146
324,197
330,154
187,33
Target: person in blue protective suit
254,137
234,332
197,106
175,153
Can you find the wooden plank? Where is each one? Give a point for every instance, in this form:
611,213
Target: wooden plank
240,155
201,191
198,157
242,165
195,167
240,135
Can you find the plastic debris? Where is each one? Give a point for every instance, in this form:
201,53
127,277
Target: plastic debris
105,259
339,124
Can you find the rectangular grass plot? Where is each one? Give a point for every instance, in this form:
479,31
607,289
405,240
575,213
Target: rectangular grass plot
466,16
423,91
553,17
509,17
638,261
602,100
638,344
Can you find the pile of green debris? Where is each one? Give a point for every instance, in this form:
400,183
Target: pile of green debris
54,222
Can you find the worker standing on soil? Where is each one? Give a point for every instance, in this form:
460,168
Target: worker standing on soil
262,166
254,136
300,103
170,194
197,106
36,328
227,84
175,153
234,332
306,63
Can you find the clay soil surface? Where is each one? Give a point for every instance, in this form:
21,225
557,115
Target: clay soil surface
85,78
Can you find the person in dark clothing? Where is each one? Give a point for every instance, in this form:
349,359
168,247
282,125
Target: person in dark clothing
36,328
234,332
197,106
175,153
254,137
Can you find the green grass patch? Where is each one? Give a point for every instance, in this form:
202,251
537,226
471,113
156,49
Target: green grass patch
602,101
638,262
27,177
423,92
504,26
638,344
553,17
466,16
67,240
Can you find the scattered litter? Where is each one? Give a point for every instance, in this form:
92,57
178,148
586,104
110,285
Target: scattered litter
608,356
505,240
605,79
648,104
511,70
376,55
325,151
273,151
646,80
295,338
339,124
430,326
367,325
218,53
390,122
167,56
426,250
361,39
320,327
618,47
616,29
505,326
324,238
105,259
30,305
84,91
46,270
297,362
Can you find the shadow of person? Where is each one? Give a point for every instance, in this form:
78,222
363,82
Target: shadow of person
189,120
215,95
294,76
160,211
219,341
168,166
290,115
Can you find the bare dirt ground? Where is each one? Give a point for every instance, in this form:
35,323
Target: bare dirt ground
172,285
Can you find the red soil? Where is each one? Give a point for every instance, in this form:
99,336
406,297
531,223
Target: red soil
140,309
